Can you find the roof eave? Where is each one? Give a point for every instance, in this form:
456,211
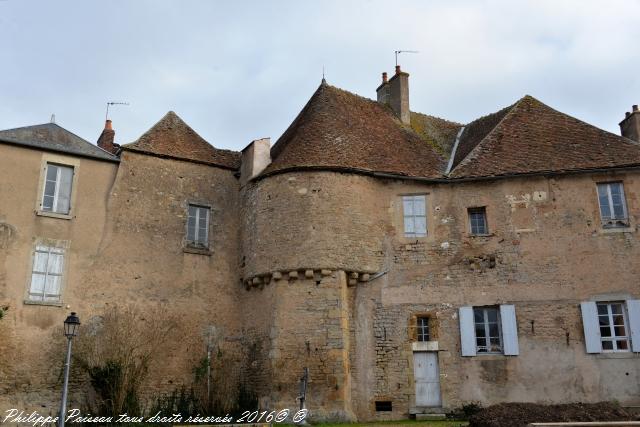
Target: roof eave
184,159
33,146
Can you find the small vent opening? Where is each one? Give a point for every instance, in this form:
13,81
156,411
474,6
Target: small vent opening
384,406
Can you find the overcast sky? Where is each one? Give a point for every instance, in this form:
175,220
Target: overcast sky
240,70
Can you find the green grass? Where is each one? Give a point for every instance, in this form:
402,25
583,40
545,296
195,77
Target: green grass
400,423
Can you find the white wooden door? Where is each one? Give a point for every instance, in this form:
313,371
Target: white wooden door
427,378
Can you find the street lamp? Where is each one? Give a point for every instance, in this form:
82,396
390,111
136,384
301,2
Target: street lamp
71,325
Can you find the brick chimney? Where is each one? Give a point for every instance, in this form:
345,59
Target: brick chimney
105,141
395,93
630,125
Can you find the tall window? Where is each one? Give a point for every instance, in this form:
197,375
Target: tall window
488,335
613,326
415,218
613,208
423,328
478,221
57,189
198,226
46,274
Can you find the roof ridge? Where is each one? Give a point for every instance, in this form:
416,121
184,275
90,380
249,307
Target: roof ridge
470,155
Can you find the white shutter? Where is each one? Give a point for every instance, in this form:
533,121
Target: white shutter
591,327
633,309
509,330
467,331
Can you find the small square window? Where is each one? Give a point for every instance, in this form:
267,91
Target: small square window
56,196
422,328
478,221
384,406
613,207
415,217
198,226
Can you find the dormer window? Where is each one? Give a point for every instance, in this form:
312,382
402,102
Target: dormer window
613,208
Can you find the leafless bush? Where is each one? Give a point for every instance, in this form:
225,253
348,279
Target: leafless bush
117,349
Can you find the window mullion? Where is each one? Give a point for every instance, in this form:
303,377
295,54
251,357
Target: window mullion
487,335
56,190
612,330
196,225
611,207
46,274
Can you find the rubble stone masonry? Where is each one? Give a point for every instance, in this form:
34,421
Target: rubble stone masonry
312,269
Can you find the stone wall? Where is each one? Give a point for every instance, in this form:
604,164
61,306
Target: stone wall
546,253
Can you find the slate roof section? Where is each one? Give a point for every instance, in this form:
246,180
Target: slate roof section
172,138
531,137
339,130
51,137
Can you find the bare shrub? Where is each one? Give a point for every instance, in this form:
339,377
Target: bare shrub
116,350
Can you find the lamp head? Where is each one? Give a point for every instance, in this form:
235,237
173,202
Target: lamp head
71,325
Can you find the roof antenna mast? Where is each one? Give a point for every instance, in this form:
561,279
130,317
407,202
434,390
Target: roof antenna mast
106,116
398,52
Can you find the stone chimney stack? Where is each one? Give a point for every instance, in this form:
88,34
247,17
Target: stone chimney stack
255,158
395,93
105,141
383,90
630,125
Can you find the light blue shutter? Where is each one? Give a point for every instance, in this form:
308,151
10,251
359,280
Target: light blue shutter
467,331
509,330
591,327
633,309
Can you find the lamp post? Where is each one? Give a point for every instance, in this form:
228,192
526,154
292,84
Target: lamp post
71,324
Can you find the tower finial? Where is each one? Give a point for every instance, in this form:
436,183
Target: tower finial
324,81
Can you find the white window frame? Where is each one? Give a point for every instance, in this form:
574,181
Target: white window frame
422,325
475,210
412,217
48,249
613,338
485,323
56,194
195,242
613,222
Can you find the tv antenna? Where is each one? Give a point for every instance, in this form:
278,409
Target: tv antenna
398,52
106,116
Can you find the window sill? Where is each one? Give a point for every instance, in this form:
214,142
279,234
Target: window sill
480,235
618,355
47,303
197,251
54,215
617,230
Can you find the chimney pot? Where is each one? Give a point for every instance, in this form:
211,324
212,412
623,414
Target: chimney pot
107,125
398,69
635,108
384,77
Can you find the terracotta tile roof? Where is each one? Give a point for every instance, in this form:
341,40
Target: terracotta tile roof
51,137
340,130
475,132
531,137
171,137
